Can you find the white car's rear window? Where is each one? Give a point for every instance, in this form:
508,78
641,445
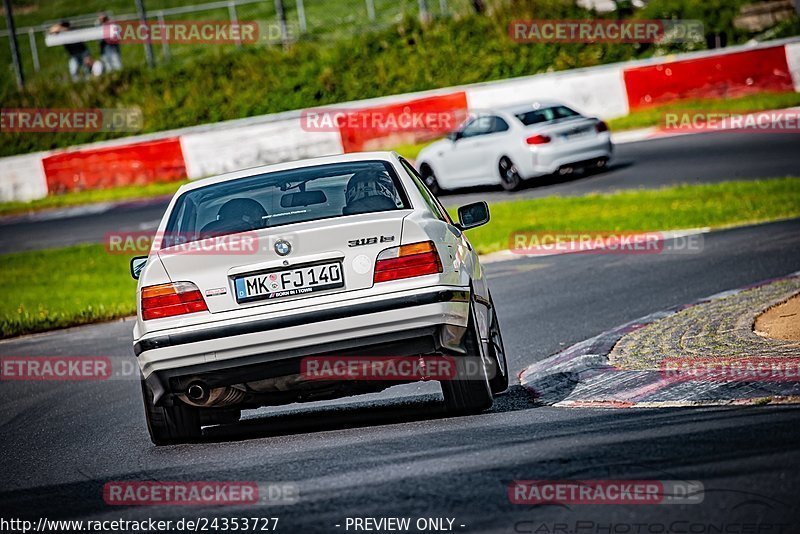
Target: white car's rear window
285,197
536,116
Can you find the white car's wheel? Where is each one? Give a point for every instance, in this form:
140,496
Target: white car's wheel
468,392
510,178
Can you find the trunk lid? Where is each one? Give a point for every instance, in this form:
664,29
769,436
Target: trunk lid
353,241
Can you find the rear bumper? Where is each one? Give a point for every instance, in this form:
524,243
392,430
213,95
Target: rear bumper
400,318
549,159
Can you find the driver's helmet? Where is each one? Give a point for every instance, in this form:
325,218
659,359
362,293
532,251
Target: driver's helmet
369,184
246,210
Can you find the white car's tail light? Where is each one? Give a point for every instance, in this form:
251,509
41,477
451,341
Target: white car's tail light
601,127
168,300
538,139
407,261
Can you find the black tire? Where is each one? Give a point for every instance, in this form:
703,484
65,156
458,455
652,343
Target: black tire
430,179
510,178
170,424
497,353
468,392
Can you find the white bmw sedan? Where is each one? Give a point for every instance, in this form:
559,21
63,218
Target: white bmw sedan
310,280
509,145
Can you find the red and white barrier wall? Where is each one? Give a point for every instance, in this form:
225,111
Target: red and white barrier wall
605,91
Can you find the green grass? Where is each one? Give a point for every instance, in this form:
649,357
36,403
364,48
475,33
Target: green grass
326,19
686,206
64,287
216,83
92,196
50,289
744,104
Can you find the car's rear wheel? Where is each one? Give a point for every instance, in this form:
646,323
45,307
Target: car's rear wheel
510,177
468,391
498,373
170,424
430,179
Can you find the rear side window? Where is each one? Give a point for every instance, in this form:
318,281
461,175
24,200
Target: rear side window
483,125
432,202
536,116
285,197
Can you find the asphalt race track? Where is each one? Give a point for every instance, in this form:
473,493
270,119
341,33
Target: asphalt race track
711,157
396,455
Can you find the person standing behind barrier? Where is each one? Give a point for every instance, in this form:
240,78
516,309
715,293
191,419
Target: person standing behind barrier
79,56
109,49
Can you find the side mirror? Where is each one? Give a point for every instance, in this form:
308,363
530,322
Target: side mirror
454,136
473,215
137,264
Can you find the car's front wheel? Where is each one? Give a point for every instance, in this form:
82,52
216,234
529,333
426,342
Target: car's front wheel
170,424
510,177
468,391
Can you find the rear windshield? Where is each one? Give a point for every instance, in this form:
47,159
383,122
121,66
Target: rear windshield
536,116
285,197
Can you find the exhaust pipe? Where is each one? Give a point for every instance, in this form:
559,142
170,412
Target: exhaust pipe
199,394
563,171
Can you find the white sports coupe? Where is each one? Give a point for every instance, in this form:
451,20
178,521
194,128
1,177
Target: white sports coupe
508,145
350,257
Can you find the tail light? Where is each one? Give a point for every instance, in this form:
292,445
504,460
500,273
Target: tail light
538,140
407,261
168,300
601,127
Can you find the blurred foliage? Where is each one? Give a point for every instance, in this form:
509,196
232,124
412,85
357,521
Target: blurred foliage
218,83
716,15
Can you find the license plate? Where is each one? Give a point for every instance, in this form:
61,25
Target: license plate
577,133
289,282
